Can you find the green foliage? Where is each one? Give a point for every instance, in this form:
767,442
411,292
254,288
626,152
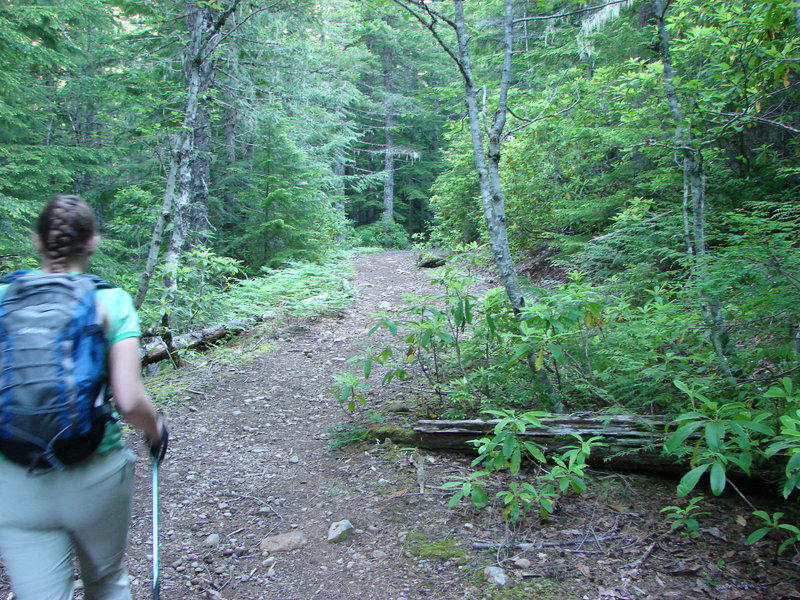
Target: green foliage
202,278
459,344
349,390
471,487
298,290
418,546
684,518
347,433
456,200
506,451
787,442
16,250
93,95
734,434
772,523
604,348
383,235
569,471
46,141
304,101
729,434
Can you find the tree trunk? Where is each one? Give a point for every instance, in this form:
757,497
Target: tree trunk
201,162
637,439
488,170
230,136
201,173
178,191
158,231
196,340
694,181
797,15
339,188
182,198
203,35
492,196
487,162
687,226
388,170
692,158
389,150
797,342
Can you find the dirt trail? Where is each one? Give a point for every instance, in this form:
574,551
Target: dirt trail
251,459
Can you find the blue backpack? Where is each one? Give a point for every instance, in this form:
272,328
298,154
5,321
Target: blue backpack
53,407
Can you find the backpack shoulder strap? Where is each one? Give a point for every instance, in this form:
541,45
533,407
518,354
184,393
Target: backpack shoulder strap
13,276
99,283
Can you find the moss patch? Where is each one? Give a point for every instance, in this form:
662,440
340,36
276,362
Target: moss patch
540,589
445,550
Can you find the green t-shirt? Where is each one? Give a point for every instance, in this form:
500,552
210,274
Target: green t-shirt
123,322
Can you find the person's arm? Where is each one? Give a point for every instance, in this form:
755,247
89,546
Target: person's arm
129,393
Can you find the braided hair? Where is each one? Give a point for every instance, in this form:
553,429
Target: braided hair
65,226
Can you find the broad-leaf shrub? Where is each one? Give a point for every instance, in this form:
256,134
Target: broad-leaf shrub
383,235
601,347
720,435
787,442
460,344
729,434
604,349
506,450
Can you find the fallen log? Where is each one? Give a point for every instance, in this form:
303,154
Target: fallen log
155,350
632,442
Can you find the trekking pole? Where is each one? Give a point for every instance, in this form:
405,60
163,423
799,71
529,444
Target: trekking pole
155,528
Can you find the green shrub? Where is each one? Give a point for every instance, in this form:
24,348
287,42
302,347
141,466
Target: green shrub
384,235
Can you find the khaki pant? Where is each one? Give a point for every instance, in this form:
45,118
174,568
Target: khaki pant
85,508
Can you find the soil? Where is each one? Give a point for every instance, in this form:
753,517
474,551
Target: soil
253,431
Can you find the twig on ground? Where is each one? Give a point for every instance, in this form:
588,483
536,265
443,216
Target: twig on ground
536,545
643,558
741,495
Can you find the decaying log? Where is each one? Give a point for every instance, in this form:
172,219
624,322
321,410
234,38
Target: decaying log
155,350
633,441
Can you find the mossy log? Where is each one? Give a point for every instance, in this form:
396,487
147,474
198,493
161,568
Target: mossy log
431,260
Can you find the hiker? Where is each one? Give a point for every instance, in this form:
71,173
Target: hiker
48,509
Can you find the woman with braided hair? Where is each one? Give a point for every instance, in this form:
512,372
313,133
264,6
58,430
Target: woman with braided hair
85,507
